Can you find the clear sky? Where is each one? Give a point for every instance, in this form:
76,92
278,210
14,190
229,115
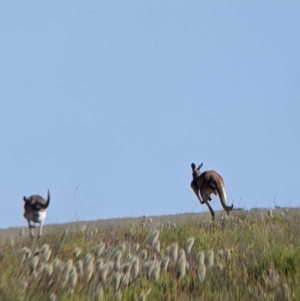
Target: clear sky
120,97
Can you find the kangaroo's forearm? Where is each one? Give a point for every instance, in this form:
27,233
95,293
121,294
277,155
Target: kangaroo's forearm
196,191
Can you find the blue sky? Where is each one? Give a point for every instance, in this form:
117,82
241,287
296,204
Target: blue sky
120,97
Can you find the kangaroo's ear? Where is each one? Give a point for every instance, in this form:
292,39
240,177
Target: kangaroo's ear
200,165
193,166
24,199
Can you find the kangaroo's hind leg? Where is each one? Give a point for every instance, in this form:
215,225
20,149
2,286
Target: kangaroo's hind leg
30,228
41,229
206,198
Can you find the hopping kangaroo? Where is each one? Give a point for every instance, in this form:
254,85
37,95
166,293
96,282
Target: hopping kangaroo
209,182
35,211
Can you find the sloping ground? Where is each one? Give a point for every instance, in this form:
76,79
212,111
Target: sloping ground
253,255
16,232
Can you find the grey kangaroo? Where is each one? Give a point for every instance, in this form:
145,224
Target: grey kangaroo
35,211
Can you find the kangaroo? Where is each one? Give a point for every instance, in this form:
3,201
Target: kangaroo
35,211
209,182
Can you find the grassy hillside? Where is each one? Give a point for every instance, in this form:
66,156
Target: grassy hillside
251,256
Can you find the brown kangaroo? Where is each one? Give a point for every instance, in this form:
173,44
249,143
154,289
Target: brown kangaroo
209,182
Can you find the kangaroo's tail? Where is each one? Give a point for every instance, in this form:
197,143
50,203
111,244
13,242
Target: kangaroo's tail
48,199
222,195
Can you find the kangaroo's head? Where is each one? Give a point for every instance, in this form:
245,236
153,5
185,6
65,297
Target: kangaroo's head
196,171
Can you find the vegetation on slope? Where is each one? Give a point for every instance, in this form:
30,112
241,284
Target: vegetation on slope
240,258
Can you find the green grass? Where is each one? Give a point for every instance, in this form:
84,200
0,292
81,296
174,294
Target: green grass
264,263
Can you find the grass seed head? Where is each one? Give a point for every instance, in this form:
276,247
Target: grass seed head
66,272
73,277
174,252
58,266
200,258
99,249
118,255
117,261
164,263
69,264
88,267
135,268
34,275
181,254
116,280
33,263
181,264
48,270
125,280
103,272
156,247
189,244
135,247
210,258
201,273
146,268
153,237
77,252
99,264
44,248
79,268
26,253
227,255
45,253
66,231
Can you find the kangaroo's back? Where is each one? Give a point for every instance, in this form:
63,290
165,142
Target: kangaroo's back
212,176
